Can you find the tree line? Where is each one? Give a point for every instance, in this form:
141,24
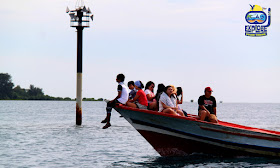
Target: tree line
9,92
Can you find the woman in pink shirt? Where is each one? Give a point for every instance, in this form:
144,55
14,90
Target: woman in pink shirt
140,100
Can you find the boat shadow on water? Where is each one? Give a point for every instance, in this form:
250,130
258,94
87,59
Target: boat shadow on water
203,160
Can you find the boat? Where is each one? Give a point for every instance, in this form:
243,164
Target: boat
172,135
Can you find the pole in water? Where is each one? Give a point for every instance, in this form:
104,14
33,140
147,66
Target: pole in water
79,19
79,75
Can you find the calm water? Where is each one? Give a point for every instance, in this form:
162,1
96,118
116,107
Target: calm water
44,134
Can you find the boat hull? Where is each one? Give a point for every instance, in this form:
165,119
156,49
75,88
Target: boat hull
178,136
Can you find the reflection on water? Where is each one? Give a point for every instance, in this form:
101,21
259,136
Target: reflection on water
44,134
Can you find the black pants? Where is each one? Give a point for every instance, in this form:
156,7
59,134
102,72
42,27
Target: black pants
111,105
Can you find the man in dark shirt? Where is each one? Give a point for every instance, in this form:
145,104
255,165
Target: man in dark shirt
207,106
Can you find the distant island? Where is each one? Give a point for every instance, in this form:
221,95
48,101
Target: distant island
9,92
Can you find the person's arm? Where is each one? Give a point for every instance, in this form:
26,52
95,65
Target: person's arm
119,93
203,108
134,99
149,97
165,106
201,104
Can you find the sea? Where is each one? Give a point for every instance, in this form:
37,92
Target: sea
45,134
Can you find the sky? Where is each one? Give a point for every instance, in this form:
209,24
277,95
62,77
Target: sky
188,43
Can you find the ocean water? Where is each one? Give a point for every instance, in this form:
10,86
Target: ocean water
44,134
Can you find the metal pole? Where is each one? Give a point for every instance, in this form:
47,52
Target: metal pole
79,70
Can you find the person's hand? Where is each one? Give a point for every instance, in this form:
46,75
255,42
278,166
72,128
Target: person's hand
175,108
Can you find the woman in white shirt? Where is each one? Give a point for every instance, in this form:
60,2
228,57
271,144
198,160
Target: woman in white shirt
166,105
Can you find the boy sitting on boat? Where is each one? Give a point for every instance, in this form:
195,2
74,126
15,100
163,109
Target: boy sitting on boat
133,91
207,106
122,98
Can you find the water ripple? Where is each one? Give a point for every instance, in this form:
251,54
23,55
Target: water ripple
44,134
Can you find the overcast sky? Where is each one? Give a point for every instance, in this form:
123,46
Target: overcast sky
187,43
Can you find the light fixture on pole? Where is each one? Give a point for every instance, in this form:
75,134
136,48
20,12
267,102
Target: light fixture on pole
79,19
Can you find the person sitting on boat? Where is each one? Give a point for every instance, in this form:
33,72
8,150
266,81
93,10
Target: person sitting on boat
133,91
166,105
140,100
207,106
122,98
179,94
149,91
160,90
174,95
175,99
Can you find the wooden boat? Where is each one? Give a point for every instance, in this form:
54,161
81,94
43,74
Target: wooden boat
178,136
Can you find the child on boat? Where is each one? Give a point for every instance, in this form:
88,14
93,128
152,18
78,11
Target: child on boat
140,100
133,91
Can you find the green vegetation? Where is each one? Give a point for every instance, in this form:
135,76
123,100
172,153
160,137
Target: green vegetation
92,99
9,92
6,86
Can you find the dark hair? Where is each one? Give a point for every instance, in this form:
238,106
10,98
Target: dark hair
160,88
130,83
142,86
165,89
148,84
120,77
179,91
